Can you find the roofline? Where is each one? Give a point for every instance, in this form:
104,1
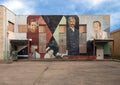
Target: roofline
64,14
118,30
7,9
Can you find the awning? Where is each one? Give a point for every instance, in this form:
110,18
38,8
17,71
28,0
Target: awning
19,42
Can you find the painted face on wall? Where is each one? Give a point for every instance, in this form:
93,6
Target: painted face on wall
71,22
96,27
33,26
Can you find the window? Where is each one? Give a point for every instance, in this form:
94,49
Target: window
82,38
62,28
42,28
10,26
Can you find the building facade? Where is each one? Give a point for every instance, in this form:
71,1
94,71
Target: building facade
48,31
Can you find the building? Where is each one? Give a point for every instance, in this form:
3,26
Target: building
116,36
36,33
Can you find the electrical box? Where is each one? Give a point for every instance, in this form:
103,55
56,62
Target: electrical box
100,53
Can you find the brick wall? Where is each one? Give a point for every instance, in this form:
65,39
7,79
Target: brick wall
116,36
1,32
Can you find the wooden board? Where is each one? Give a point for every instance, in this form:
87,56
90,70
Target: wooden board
42,42
22,28
82,39
10,26
83,48
62,39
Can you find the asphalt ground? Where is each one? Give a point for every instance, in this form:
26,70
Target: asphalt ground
60,73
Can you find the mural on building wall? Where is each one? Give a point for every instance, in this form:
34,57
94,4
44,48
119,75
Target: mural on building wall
65,35
98,32
73,35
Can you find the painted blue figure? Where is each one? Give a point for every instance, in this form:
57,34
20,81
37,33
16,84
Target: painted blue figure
72,37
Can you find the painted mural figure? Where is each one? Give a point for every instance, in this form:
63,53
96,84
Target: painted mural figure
33,26
72,37
33,32
98,32
33,35
49,54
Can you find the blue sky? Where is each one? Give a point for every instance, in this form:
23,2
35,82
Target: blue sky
40,7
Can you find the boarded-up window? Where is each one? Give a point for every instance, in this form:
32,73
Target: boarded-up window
42,38
62,38
10,26
82,38
42,42
62,28
82,28
42,28
22,28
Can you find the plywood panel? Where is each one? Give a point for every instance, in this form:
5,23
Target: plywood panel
42,42
22,28
42,39
42,28
62,29
83,48
62,38
10,26
82,39
62,48
82,28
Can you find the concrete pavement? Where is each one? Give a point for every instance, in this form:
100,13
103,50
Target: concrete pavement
60,73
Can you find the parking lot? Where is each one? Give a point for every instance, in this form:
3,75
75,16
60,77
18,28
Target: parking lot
60,73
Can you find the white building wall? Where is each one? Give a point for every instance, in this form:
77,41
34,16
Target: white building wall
10,16
21,20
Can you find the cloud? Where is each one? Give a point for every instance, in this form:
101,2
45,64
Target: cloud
115,21
19,6
96,2
101,7
89,3
47,7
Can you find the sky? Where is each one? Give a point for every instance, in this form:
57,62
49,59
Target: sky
60,7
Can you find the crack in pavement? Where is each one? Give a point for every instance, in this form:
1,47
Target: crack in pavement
38,80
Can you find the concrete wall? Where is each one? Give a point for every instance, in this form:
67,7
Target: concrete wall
116,36
7,15
20,20
6,35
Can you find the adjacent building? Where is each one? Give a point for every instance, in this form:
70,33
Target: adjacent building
116,36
